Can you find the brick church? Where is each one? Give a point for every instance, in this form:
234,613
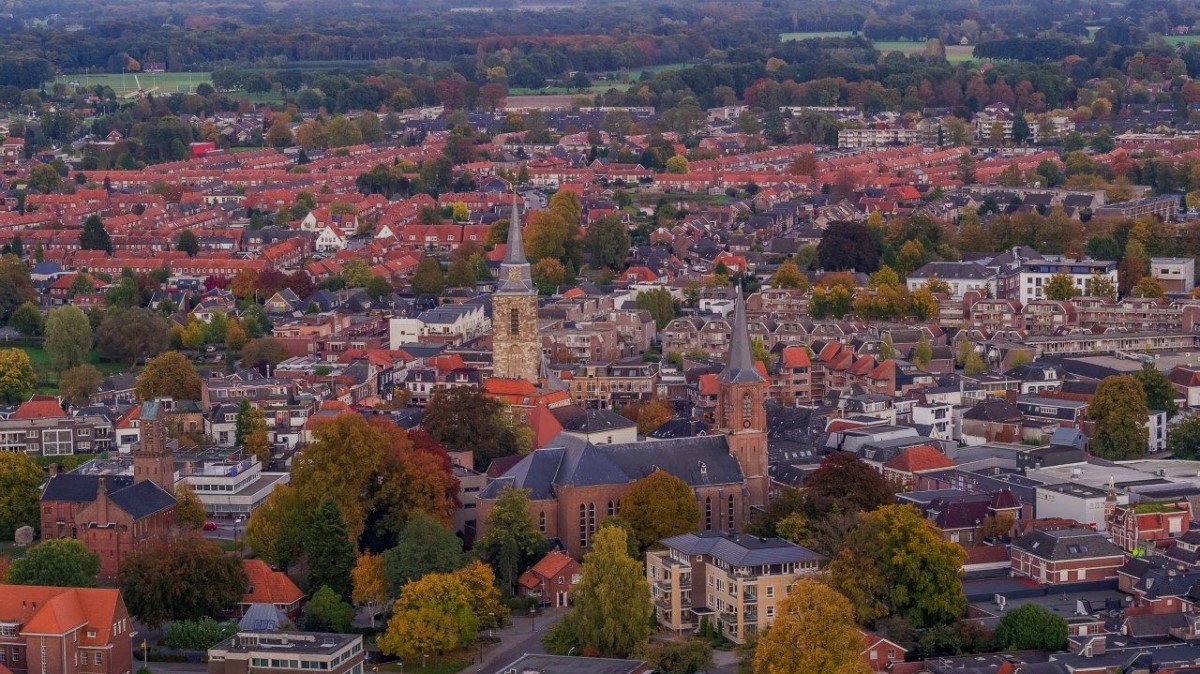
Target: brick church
575,484
112,514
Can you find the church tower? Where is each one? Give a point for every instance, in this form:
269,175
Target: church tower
152,459
740,413
516,346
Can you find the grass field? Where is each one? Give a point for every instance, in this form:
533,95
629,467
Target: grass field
48,379
1182,39
787,37
954,53
123,84
598,86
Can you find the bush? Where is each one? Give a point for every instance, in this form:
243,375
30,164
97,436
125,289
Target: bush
198,634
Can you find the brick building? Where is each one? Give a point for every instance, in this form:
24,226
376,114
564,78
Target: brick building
1057,556
112,514
551,579
64,630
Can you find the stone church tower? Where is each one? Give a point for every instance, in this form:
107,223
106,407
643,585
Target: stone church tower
153,460
740,413
516,346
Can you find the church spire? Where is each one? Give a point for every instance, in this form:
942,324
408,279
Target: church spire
741,369
515,276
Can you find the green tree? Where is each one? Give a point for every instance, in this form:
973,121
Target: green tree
327,612
608,241
677,164
94,236
27,320
188,243
1119,411
423,546
169,374
658,506
378,287
17,378
44,178
1031,627
612,601
276,529
1099,285
814,631
1158,389
68,337
427,279
329,552
16,288
461,274
512,540
922,352
464,419
247,417
20,489
342,132
60,562
844,483
184,579
1183,441
887,348
660,303
676,657
1061,287
189,510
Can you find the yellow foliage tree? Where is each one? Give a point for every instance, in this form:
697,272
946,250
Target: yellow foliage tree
370,584
189,511
480,581
814,632
432,615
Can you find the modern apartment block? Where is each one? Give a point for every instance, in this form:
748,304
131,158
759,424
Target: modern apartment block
734,581
285,652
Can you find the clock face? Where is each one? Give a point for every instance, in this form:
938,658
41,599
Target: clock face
746,424
514,274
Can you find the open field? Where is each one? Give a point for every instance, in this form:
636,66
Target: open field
48,379
786,37
954,53
124,83
1182,39
552,100
598,86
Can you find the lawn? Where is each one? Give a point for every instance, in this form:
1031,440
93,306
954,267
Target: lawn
125,83
1175,40
813,35
48,379
954,53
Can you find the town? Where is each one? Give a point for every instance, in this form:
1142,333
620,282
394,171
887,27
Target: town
600,338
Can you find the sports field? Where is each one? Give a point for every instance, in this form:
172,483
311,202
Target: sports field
127,83
785,37
954,53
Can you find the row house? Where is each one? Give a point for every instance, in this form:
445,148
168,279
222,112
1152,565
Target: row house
245,385
613,384
1148,523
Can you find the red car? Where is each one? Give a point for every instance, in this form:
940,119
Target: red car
210,526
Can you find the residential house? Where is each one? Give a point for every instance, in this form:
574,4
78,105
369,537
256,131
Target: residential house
1060,556
551,579
65,630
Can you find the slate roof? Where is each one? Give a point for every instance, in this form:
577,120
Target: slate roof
1066,544
137,499
142,499
76,488
591,420
741,549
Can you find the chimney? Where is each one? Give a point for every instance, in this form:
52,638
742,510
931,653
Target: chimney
1011,396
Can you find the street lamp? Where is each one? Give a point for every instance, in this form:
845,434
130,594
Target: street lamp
532,618
491,624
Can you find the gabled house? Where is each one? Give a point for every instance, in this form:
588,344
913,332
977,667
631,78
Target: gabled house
1059,556
551,579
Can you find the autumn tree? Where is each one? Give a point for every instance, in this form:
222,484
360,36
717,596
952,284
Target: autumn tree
658,506
1148,286
68,337
512,540
59,562
20,489
923,352
1031,627
276,528
844,483
612,602
788,276
169,374
1119,411
432,615
340,465
923,304
17,378
895,563
1061,287
1099,285
648,415
424,546
329,552
480,582
814,631
415,476
77,384
370,584
660,303
264,351
548,274
189,511
184,579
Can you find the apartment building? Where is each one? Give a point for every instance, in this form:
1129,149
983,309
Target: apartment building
284,652
1026,282
735,582
618,383
1177,274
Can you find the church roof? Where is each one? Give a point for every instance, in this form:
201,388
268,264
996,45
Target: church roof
572,461
515,276
741,369
138,499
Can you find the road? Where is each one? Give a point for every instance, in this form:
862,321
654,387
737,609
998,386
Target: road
515,641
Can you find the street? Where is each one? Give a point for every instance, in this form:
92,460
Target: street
515,640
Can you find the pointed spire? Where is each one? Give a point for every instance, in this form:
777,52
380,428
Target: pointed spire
514,253
515,275
741,369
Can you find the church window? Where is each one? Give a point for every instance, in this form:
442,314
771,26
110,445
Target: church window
583,529
514,322
612,508
591,518
727,411
747,406
542,521
708,513
731,511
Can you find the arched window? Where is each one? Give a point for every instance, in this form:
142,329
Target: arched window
747,406
583,528
514,322
708,513
542,521
731,513
591,519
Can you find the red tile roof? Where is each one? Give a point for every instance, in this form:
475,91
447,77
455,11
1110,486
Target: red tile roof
267,586
57,610
919,458
39,407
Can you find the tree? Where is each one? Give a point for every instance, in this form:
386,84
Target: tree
59,562
922,352
340,465
276,529
68,337
1148,286
16,288
1158,389
1031,627
258,443
788,276
424,546
843,483
1119,411
1061,287
280,134
44,178
188,243
648,415
329,552
341,132
184,579
464,419
660,303
94,236
607,239
131,334
427,279
676,657
20,488
370,584
327,612
27,320
17,378
168,374
887,348
814,631
431,615
658,506
848,246
415,476
512,539
480,582
1099,285
266,351
548,273
677,164
1183,441
612,599
189,511
894,562
378,287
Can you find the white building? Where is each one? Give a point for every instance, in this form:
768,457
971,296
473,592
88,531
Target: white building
1027,282
959,276
1177,274
1074,501
228,485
